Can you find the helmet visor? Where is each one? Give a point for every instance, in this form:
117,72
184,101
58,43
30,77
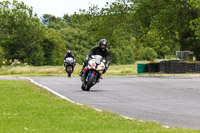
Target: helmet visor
103,46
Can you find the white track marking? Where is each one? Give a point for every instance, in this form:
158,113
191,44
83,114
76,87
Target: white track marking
52,91
63,97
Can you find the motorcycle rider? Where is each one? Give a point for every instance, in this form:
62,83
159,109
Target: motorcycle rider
101,49
69,54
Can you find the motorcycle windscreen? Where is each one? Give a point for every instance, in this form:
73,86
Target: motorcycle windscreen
69,60
98,59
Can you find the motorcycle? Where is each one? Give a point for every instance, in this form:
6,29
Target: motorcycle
69,64
92,72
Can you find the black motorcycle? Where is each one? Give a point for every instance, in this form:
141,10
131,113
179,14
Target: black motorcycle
69,64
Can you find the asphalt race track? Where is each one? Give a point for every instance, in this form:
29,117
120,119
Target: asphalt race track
170,101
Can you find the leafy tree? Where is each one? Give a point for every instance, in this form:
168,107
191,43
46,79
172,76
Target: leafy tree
146,53
2,56
135,30
169,19
20,32
23,36
110,23
71,37
53,47
78,41
195,26
53,22
68,19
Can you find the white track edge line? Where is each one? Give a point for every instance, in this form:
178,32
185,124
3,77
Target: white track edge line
52,91
63,97
56,93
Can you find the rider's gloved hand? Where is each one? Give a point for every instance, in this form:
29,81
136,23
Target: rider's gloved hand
85,62
106,66
87,58
104,71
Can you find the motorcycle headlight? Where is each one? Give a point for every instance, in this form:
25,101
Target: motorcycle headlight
92,65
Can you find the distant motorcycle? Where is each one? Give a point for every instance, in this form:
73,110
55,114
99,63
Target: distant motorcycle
69,64
92,71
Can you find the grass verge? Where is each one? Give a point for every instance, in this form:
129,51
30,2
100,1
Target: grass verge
25,107
114,70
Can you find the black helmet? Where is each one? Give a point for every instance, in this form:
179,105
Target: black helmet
104,42
69,51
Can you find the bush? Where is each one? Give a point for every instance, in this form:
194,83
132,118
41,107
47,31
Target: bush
146,53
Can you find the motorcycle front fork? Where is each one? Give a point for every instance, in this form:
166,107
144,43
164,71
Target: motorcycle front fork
97,76
72,68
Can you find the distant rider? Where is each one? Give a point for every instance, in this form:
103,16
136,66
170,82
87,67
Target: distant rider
101,49
69,54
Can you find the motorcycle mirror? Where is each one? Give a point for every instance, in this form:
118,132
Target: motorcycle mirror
92,56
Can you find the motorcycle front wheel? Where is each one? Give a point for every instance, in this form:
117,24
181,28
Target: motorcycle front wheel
83,86
90,82
69,70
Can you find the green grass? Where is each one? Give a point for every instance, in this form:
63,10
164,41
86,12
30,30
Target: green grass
114,70
26,108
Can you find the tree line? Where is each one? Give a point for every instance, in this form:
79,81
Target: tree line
135,30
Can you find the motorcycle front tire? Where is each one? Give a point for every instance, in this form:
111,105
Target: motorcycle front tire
69,71
90,82
83,86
